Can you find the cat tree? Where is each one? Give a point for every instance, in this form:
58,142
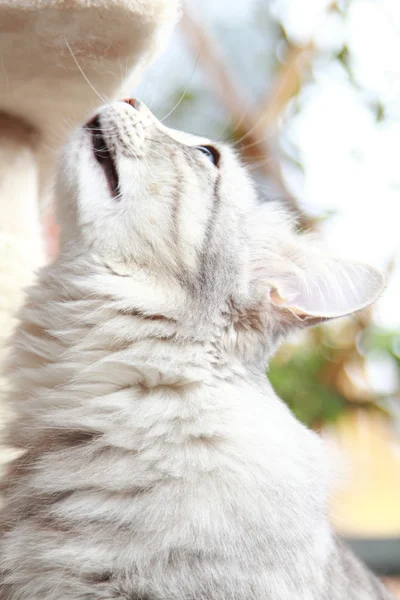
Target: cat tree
59,60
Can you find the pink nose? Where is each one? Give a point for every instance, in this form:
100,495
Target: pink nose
130,101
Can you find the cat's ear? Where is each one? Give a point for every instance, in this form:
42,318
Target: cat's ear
297,276
323,288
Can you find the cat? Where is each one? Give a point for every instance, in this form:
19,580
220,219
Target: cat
157,462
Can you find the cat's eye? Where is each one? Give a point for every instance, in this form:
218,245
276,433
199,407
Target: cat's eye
211,153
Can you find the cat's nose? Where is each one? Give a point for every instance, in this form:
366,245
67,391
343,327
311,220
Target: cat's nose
131,101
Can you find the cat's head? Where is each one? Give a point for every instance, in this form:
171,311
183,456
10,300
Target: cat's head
180,213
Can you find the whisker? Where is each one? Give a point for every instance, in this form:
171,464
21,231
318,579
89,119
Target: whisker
262,116
249,132
84,74
102,98
256,142
185,91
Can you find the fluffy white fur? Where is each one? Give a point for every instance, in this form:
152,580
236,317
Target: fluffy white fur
159,463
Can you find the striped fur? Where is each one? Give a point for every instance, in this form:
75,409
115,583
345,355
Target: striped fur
158,463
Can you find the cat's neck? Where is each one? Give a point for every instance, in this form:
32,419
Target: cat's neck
78,351
84,334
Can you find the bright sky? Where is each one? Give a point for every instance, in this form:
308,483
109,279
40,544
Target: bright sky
351,161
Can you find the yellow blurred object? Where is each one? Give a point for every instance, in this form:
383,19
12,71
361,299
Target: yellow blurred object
366,502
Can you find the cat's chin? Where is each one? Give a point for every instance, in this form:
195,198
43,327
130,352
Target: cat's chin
104,157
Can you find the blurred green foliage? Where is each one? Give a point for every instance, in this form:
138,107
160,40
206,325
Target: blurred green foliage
381,340
307,376
299,381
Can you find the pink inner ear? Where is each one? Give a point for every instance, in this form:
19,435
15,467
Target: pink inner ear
282,302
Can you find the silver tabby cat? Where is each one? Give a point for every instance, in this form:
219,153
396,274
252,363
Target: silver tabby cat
158,462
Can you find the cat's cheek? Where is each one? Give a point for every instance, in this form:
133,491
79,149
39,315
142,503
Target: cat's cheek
132,182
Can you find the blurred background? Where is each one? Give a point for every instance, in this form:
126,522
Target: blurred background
310,94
